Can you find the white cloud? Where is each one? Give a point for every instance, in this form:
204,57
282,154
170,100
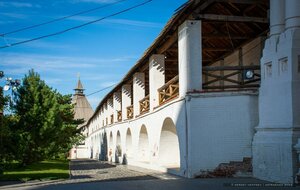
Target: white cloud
127,22
14,15
94,1
6,22
37,44
43,62
18,4
135,23
106,84
20,63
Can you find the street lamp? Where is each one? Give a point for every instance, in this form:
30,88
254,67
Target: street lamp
10,83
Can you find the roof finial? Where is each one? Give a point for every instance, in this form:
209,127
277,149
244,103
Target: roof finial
79,88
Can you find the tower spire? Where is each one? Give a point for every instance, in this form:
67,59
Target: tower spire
79,88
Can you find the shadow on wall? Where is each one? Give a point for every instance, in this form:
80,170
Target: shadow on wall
103,153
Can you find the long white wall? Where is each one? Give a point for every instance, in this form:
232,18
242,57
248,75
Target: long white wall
203,141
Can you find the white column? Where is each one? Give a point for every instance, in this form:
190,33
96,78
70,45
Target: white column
190,57
126,99
110,109
156,77
138,91
277,16
105,112
274,157
292,14
117,104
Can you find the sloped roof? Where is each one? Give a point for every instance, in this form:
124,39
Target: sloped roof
79,86
219,38
82,109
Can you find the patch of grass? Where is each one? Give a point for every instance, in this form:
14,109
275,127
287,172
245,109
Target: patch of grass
45,170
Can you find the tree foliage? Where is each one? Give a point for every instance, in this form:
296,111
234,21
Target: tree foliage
45,124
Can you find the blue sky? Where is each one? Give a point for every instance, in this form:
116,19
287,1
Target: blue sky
102,52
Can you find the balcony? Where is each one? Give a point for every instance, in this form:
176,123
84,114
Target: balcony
119,116
222,78
169,91
111,118
130,112
145,105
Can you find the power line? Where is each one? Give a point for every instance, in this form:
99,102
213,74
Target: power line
100,90
59,19
76,27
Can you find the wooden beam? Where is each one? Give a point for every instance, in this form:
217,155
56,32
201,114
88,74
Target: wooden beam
243,1
204,5
166,45
232,86
215,49
227,68
224,36
231,18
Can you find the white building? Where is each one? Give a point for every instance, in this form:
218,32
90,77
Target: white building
210,90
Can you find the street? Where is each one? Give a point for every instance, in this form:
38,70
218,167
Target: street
91,174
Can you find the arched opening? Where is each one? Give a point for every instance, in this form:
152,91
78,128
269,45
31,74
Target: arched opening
99,146
118,149
169,153
104,147
128,143
143,151
110,150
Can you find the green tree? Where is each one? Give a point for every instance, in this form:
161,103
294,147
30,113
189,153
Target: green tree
46,125
7,136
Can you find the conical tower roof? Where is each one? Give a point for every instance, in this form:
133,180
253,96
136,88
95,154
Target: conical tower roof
82,109
79,88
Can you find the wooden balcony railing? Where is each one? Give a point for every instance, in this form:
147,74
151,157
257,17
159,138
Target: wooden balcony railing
130,112
169,90
145,105
231,77
111,118
119,114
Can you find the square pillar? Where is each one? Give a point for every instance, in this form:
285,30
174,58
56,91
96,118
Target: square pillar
138,91
105,113
110,108
189,57
117,104
126,100
156,77
274,156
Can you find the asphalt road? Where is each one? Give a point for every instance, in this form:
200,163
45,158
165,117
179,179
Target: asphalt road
88,175
175,184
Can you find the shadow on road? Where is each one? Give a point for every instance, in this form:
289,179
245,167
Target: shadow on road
89,165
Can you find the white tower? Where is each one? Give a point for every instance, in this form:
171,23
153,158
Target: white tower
274,158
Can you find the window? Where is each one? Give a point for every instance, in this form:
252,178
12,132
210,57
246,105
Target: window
268,69
283,65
